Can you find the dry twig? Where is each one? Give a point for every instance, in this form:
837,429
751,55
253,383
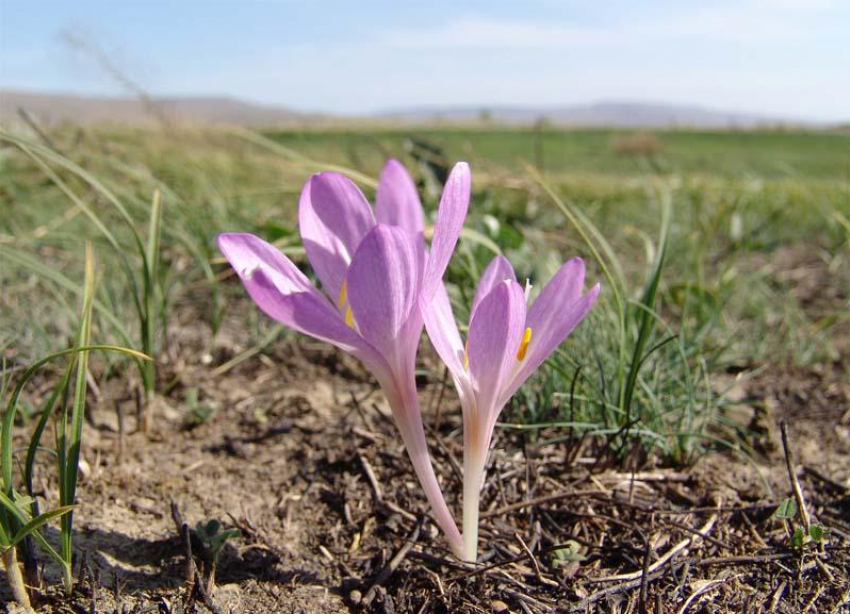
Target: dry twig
370,475
674,551
792,475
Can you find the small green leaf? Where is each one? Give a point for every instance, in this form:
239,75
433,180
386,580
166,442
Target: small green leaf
207,530
816,533
786,510
570,552
798,538
217,543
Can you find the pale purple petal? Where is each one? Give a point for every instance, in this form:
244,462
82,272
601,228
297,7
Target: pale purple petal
497,271
495,333
285,294
341,206
397,201
383,286
333,218
411,332
246,253
552,311
565,288
442,329
551,319
454,205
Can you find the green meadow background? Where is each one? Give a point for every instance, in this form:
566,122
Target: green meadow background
719,251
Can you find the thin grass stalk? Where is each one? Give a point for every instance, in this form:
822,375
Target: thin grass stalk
70,441
6,452
152,258
28,525
35,439
646,317
27,549
16,522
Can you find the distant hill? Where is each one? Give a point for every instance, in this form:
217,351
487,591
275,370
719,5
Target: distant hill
613,114
58,108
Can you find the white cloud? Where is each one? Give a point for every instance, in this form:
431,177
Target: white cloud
472,32
753,21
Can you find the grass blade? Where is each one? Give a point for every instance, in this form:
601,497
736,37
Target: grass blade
646,317
71,446
150,288
6,462
39,521
7,504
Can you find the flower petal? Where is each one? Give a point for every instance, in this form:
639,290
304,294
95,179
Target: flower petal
285,294
383,284
246,253
442,329
559,308
565,288
397,201
549,316
333,218
454,205
495,333
497,271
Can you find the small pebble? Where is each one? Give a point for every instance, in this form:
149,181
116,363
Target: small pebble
499,607
355,596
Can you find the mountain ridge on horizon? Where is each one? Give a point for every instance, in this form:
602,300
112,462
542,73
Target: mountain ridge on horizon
613,113
53,108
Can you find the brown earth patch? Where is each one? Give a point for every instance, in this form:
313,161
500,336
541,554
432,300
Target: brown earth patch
285,458
296,430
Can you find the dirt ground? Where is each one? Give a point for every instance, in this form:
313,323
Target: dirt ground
302,457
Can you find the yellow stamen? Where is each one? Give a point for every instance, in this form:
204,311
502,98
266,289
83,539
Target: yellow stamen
466,355
343,293
523,346
349,317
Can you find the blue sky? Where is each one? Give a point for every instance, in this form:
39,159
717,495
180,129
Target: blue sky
788,58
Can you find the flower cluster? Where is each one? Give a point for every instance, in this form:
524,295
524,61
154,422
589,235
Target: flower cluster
381,284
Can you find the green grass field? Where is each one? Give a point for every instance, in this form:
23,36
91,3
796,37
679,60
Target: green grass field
730,154
747,211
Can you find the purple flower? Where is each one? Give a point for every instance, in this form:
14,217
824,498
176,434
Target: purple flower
506,343
372,268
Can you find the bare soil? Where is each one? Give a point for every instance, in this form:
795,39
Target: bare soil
302,457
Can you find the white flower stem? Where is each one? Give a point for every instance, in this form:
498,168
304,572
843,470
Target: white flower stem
473,477
471,496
